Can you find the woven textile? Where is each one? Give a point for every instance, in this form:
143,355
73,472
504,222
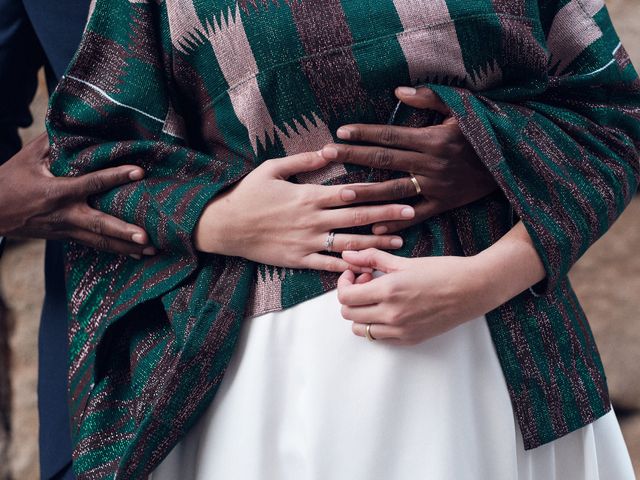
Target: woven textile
200,92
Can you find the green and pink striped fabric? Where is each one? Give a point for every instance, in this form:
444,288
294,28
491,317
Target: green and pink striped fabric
199,92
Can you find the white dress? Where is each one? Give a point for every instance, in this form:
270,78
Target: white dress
305,399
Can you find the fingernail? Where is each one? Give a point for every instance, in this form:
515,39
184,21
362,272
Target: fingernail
138,238
136,174
137,257
149,251
380,230
396,242
408,212
348,195
407,91
344,133
330,152
366,270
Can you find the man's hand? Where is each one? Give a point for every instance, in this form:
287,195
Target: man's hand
34,203
446,167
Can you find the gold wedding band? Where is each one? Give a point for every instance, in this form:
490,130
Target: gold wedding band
367,333
416,184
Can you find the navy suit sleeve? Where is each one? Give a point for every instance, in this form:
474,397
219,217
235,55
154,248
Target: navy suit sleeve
20,58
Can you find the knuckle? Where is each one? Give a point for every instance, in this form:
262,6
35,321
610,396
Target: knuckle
56,220
382,159
440,165
360,217
348,152
439,146
103,243
268,166
331,265
455,148
388,292
388,136
97,224
399,189
396,320
96,183
53,192
425,138
307,196
447,183
306,223
450,142
351,244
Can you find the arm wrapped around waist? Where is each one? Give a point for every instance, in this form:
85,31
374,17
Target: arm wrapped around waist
565,153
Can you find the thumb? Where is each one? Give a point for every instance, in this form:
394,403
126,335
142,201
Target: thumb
346,279
374,258
364,278
422,98
303,162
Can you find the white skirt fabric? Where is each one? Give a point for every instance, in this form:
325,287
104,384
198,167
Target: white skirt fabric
305,399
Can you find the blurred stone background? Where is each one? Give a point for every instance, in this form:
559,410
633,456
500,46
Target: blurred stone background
607,280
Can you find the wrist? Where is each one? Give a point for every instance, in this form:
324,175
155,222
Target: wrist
487,287
511,266
207,235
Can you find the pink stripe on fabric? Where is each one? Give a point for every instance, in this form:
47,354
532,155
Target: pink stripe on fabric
310,136
434,51
238,64
252,111
184,25
266,294
418,13
572,31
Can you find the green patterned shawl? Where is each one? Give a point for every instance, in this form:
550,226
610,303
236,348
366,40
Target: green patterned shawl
199,92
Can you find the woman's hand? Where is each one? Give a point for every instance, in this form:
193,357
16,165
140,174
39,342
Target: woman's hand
419,298
269,220
416,299
449,172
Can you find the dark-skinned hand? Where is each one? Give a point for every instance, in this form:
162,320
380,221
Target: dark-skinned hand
444,163
35,204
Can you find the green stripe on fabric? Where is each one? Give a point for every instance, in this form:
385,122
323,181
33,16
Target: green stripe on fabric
371,19
480,48
374,26
284,86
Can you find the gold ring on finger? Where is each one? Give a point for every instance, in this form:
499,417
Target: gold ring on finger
367,333
416,184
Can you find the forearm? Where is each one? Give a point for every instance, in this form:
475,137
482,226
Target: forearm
510,266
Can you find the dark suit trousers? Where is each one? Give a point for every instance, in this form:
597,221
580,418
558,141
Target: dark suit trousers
36,33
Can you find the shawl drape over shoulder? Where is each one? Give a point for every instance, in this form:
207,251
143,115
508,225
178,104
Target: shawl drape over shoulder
199,93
